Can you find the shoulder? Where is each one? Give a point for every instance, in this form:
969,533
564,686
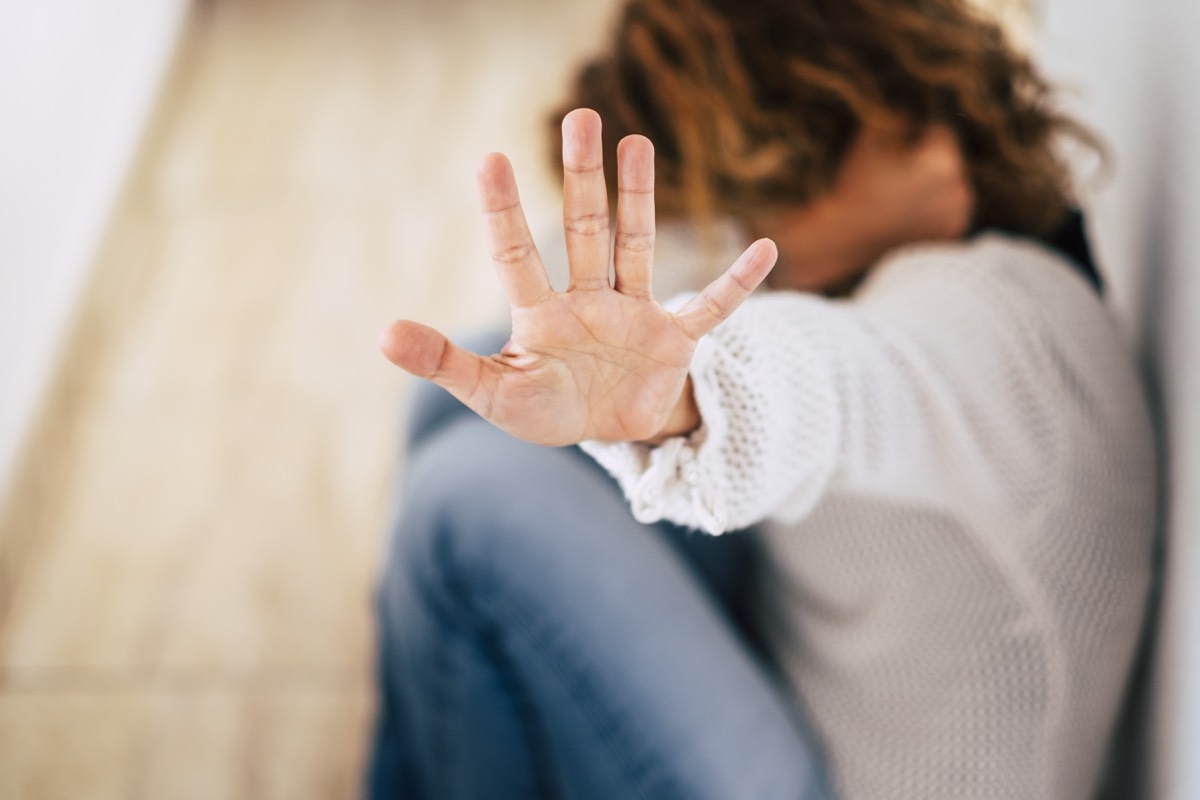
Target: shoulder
994,291
989,263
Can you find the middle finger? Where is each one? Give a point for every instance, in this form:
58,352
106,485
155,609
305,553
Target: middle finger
585,201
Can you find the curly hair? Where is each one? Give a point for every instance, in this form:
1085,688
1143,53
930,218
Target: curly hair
752,104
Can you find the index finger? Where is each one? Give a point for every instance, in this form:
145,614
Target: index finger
513,253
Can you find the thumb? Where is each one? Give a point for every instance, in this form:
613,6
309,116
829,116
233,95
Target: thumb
426,353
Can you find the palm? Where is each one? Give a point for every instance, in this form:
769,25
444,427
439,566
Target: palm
598,361
605,365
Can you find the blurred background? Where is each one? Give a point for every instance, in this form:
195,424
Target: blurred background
207,212
193,519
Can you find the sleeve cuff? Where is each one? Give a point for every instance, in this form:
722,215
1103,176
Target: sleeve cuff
678,480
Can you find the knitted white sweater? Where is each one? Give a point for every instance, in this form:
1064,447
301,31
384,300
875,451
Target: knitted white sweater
954,475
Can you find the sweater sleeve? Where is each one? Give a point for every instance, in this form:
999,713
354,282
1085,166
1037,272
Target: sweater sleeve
927,387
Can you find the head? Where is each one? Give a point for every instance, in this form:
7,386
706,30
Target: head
758,108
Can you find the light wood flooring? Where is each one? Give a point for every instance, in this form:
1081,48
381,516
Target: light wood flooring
187,554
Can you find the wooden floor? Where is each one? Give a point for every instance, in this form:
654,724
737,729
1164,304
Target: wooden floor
186,556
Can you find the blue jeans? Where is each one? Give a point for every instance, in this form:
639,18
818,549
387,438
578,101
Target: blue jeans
538,642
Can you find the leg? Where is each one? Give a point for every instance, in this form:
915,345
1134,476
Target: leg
391,770
536,637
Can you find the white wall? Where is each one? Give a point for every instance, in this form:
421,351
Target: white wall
77,82
1138,68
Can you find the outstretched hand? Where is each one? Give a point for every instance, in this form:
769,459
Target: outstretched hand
601,360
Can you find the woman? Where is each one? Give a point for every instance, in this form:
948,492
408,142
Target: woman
928,421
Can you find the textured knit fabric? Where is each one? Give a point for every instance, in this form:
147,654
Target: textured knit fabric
953,473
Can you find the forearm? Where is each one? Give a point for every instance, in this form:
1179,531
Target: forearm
931,388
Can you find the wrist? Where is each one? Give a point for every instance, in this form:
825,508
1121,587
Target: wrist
684,417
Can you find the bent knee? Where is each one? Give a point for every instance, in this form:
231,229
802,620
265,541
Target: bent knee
481,510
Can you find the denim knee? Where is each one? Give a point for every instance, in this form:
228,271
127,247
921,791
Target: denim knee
486,516
454,534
